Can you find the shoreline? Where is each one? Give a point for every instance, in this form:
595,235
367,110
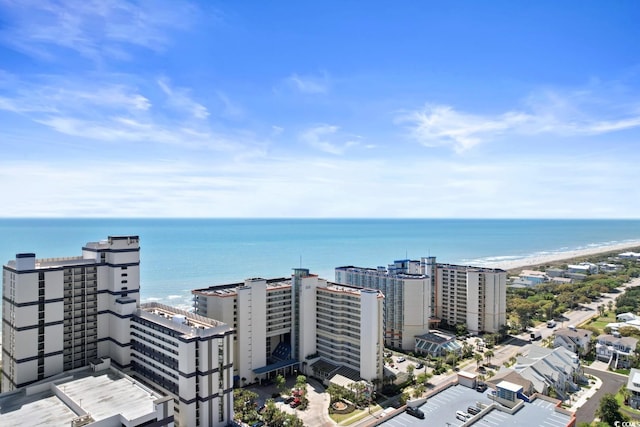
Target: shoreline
545,259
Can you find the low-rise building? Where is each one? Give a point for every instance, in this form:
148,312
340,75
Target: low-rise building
557,369
437,344
606,267
555,272
583,267
576,340
94,395
626,317
633,385
629,255
616,351
534,276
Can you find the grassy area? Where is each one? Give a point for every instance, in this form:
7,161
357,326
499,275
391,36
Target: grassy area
602,321
357,415
627,409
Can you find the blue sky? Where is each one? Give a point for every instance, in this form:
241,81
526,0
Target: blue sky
499,109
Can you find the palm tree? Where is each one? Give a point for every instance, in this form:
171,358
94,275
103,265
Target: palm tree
610,305
478,358
488,355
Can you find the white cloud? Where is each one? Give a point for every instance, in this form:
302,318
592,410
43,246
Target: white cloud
309,84
229,108
180,99
548,112
96,29
58,95
327,138
305,186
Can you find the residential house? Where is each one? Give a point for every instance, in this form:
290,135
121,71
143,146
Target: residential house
534,276
555,272
583,267
577,341
629,255
617,351
633,385
625,317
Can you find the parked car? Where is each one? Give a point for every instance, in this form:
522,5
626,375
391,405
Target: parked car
473,410
481,387
415,412
401,359
420,365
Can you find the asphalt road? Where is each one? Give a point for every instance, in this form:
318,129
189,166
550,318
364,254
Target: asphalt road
611,383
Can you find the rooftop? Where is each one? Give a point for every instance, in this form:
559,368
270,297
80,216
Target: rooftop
180,320
443,406
61,399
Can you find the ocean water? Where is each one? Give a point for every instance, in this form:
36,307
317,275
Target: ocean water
178,255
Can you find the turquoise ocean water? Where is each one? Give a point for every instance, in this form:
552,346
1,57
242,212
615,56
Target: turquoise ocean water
178,255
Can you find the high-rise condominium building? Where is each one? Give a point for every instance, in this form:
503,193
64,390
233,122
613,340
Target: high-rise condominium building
408,298
472,296
300,323
422,293
63,313
58,313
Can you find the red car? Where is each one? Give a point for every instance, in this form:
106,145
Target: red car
296,402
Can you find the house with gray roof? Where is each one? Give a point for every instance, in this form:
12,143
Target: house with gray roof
617,351
557,369
577,341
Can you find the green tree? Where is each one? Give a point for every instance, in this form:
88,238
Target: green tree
488,355
478,358
410,370
280,383
244,404
609,410
336,393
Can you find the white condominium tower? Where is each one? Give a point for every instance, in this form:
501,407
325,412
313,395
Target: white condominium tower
422,293
65,313
302,322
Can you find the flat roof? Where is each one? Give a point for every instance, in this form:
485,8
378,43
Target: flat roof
101,395
509,386
443,406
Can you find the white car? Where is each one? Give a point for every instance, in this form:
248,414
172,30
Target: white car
401,359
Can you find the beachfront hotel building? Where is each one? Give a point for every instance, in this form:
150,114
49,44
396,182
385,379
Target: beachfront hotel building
419,294
60,314
300,323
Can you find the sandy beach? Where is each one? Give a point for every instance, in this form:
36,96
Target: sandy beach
544,259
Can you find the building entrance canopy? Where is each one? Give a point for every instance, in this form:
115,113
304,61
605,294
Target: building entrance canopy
275,366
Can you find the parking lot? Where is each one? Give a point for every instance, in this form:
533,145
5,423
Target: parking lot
442,407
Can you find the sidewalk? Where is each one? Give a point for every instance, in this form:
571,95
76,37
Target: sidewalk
580,397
